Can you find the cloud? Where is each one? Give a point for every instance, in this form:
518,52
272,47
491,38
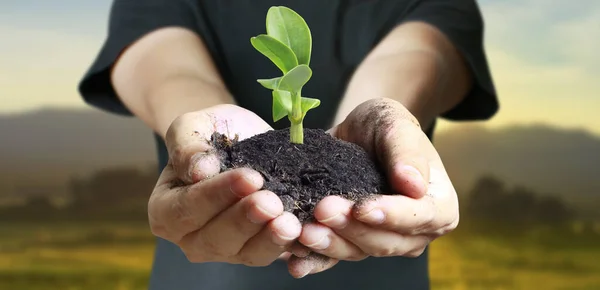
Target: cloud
545,62
545,32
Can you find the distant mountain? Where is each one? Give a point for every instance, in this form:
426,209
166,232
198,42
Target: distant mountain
48,146
53,144
545,159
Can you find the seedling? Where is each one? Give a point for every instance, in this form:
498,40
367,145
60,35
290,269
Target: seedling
288,44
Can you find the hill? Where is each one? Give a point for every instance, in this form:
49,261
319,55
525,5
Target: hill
49,146
545,159
43,149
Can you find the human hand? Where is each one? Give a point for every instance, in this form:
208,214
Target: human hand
425,208
212,216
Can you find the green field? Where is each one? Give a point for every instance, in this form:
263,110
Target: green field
108,256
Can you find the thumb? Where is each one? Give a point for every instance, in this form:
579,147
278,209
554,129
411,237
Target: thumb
188,139
401,150
191,153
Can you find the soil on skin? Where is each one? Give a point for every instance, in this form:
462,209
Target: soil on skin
303,174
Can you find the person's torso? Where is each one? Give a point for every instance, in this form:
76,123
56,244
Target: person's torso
343,33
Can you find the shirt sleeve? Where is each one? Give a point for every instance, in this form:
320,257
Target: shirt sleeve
129,20
462,23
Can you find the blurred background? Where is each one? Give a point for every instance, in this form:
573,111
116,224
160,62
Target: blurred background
74,181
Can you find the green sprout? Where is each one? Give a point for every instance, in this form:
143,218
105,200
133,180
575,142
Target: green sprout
288,45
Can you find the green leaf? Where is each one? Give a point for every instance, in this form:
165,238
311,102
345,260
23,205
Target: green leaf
309,103
287,26
282,56
271,84
282,104
295,79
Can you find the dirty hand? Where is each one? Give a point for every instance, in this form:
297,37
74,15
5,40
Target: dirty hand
212,216
426,206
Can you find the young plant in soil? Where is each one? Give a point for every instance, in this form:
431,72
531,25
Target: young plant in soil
301,166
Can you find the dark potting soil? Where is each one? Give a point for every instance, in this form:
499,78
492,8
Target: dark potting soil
303,174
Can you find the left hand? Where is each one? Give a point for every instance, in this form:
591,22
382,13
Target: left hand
424,207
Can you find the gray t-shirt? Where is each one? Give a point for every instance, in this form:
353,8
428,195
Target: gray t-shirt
343,33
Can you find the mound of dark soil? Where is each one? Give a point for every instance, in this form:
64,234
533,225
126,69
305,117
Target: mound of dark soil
303,174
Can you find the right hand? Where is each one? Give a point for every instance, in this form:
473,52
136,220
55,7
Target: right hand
213,216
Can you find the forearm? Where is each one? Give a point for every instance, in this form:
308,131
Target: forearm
177,96
414,65
166,74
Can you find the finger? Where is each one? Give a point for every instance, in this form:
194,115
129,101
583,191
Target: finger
185,209
285,256
382,243
400,148
395,138
323,240
189,147
335,213
156,204
398,213
312,264
299,250
226,234
436,213
271,242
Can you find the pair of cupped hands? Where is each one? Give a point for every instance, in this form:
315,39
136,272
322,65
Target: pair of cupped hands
226,217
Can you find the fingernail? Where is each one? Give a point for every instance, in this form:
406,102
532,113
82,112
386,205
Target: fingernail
204,166
286,229
414,173
375,216
254,219
411,171
259,218
322,244
239,187
279,239
338,221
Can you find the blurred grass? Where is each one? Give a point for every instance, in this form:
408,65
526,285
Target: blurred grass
118,256
74,256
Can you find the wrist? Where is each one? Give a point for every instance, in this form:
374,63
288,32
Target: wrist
412,78
181,95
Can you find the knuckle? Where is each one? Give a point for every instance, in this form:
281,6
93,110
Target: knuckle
453,225
210,246
381,252
207,196
178,209
415,253
359,232
429,217
247,260
159,230
357,257
214,247
177,125
426,224
447,228
157,217
193,257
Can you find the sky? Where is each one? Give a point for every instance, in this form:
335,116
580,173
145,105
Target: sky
543,54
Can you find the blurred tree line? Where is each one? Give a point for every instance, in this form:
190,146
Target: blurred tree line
122,194
108,194
490,200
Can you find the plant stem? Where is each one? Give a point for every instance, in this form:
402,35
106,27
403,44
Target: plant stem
296,133
296,129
